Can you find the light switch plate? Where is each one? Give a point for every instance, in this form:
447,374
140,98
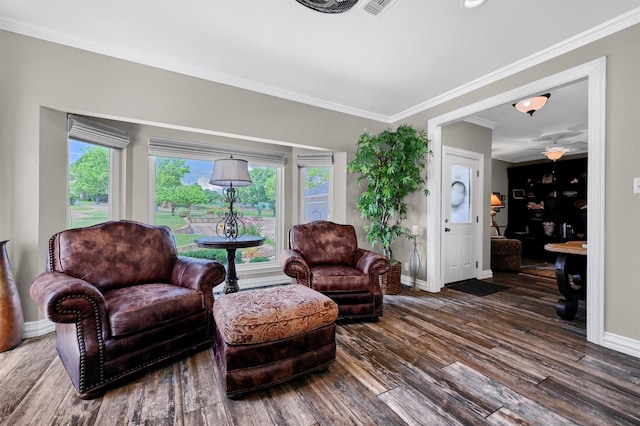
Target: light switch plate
636,185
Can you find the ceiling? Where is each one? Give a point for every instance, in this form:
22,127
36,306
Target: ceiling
413,55
519,137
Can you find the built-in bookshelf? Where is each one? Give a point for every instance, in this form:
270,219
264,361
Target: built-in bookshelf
547,203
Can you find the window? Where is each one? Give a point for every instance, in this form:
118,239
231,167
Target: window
315,183
186,202
94,164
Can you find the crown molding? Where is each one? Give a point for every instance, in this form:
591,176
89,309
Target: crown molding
596,33
481,122
605,29
184,69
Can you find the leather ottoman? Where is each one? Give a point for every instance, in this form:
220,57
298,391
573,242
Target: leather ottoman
506,254
268,336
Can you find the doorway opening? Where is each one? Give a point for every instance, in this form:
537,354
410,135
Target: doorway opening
594,72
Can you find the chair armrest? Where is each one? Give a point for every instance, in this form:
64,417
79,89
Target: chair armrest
65,299
198,274
294,265
371,263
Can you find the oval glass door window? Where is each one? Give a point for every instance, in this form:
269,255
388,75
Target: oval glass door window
460,196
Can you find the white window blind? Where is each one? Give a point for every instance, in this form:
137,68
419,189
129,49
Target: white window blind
324,159
86,130
161,147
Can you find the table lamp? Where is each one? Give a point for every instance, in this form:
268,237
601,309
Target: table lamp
230,173
496,203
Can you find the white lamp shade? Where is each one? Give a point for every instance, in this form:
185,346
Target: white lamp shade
230,171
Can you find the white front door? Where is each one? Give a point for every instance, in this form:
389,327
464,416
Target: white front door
460,220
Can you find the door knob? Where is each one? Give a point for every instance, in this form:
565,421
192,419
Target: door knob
447,229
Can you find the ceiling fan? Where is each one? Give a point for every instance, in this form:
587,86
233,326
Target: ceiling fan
329,6
556,150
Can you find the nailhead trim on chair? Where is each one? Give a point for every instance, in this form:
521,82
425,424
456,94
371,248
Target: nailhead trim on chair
83,349
204,287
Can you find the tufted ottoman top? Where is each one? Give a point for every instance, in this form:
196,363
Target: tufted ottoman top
265,315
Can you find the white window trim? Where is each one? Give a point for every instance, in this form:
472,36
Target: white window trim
174,148
89,131
324,159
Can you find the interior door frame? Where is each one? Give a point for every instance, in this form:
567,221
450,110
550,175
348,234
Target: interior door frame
476,200
595,74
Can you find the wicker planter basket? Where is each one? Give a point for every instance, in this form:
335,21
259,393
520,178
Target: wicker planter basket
390,282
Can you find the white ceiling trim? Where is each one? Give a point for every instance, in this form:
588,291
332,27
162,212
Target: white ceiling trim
481,122
596,33
607,28
156,62
595,72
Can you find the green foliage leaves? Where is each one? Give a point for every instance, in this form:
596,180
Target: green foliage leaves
169,187
262,190
89,175
391,163
316,176
170,172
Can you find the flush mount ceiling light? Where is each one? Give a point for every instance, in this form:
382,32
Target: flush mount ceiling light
470,4
329,6
531,105
555,152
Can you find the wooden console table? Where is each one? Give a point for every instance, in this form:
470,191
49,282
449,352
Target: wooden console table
571,275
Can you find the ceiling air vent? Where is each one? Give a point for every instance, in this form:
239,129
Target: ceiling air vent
376,7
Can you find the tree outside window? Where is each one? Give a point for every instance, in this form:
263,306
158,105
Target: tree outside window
89,171
191,207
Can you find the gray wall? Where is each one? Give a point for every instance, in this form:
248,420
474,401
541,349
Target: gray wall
474,138
39,81
42,81
622,229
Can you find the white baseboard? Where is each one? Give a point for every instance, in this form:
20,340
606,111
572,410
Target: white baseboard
37,328
622,344
408,281
484,274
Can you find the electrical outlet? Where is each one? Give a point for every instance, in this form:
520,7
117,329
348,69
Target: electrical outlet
406,266
636,185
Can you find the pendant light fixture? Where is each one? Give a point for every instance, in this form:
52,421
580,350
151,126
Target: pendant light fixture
531,105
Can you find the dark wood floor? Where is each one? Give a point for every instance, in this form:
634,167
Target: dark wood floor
447,358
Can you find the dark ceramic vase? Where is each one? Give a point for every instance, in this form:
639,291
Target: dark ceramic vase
11,319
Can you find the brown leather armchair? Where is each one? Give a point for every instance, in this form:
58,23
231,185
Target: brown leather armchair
325,256
123,301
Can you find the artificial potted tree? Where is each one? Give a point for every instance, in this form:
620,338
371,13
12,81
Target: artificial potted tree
391,163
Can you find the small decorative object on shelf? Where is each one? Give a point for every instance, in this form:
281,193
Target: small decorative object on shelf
11,319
